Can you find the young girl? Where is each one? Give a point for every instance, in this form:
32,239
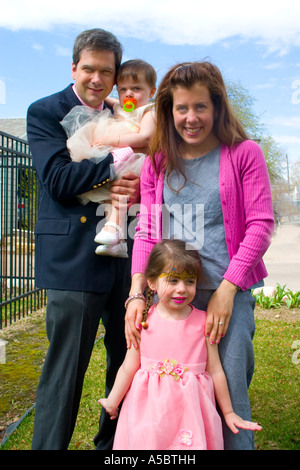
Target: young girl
93,134
174,374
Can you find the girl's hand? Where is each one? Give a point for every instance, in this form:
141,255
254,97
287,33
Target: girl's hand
133,319
234,422
112,411
219,310
104,141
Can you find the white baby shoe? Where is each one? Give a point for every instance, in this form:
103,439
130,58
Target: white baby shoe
108,238
119,250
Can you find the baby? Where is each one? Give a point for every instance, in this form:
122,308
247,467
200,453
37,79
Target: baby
94,134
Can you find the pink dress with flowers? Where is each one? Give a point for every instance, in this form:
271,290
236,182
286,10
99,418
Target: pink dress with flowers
171,404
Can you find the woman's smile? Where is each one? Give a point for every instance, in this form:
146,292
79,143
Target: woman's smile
192,131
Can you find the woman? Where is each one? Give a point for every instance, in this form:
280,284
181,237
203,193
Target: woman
202,162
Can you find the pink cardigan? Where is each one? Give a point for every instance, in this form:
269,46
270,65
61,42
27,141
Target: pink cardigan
246,205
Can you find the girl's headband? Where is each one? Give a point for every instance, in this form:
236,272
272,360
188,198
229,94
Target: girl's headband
183,276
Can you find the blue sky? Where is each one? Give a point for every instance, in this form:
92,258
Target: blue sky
257,44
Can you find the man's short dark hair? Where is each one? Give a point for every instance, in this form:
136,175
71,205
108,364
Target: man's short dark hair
97,39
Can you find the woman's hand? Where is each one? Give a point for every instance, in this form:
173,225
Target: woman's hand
133,320
134,312
219,311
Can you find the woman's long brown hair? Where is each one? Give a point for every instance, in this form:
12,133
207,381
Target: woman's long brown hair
166,140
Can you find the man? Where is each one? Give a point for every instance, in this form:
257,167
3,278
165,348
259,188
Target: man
82,287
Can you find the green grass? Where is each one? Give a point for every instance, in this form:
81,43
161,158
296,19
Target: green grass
274,392
89,411
25,351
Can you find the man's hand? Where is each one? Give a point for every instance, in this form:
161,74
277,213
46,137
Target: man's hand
129,186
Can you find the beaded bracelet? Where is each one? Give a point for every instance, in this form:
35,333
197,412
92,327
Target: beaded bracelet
132,297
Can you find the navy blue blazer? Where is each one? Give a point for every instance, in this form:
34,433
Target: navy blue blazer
65,229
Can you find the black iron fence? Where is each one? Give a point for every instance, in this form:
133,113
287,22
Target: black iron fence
18,211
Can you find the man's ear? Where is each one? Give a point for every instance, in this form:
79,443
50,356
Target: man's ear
73,70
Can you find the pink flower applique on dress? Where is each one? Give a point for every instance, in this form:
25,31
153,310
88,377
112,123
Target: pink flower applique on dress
169,367
185,437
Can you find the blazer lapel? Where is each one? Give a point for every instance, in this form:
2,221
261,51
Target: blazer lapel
68,99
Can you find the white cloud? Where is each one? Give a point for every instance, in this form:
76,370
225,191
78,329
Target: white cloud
38,47
273,23
63,51
264,86
287,139
290,121
273,66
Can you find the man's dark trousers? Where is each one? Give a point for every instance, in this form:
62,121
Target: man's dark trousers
74,330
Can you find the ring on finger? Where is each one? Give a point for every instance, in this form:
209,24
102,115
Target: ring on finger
221,323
